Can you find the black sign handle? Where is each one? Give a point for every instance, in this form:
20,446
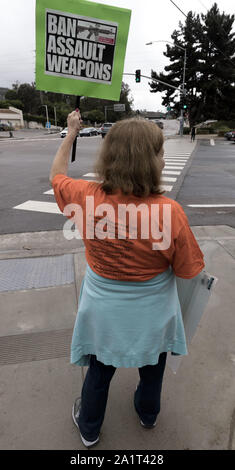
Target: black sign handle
75,140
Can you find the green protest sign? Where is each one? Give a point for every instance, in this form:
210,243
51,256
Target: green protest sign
80,47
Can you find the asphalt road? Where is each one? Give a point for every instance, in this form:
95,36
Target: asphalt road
210,180
25,167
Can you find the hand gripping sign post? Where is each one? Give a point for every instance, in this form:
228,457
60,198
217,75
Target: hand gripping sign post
80,48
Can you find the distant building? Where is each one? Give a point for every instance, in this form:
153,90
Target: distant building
153,115
12,116
3,93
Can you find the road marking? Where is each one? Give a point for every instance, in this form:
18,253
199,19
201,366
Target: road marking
180,162
169,172
211,205
51,191
166,188
90,174
165,178
172,167
177,155
176,158
39,206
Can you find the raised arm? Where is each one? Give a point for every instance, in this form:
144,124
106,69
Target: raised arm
61,160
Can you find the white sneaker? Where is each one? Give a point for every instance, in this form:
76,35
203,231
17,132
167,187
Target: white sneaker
75,414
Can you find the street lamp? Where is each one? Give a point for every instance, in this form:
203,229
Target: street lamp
183,83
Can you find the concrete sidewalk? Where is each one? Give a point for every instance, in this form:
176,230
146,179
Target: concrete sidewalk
38,384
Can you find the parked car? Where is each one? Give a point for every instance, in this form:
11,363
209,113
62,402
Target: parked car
5,127
230,135
159,124
88,131
105,128
64,132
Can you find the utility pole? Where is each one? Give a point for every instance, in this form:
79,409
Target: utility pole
182,94
45,106
55,116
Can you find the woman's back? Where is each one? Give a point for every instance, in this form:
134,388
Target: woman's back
128,237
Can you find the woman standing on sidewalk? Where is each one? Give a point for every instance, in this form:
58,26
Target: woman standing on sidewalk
129,313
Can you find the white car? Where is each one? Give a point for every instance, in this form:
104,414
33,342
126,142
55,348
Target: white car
64,132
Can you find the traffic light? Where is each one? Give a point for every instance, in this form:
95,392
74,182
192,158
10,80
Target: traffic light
183,102
137,76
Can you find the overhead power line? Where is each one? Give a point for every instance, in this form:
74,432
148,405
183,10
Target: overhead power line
178,8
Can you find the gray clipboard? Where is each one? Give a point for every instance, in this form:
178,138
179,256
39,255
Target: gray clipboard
194,295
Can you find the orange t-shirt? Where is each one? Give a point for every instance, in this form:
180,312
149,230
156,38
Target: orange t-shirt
116,247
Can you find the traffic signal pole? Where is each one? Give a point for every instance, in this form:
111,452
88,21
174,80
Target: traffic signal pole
156,80
182,100
181,90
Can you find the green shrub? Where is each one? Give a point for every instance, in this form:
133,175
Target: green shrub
186,130
221,133
32,117
222,124
41,119
205,130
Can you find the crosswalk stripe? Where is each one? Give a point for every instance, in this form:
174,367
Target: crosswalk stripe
169,172
175,161
172,167
51,191
166,188
176,158
165,178
39,206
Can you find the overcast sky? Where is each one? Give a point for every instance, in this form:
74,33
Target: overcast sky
151,20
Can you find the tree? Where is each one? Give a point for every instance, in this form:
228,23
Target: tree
210,46
217,80
95,104
15,103
31,100
95,115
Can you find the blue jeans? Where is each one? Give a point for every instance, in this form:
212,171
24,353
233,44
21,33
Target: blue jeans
95,395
